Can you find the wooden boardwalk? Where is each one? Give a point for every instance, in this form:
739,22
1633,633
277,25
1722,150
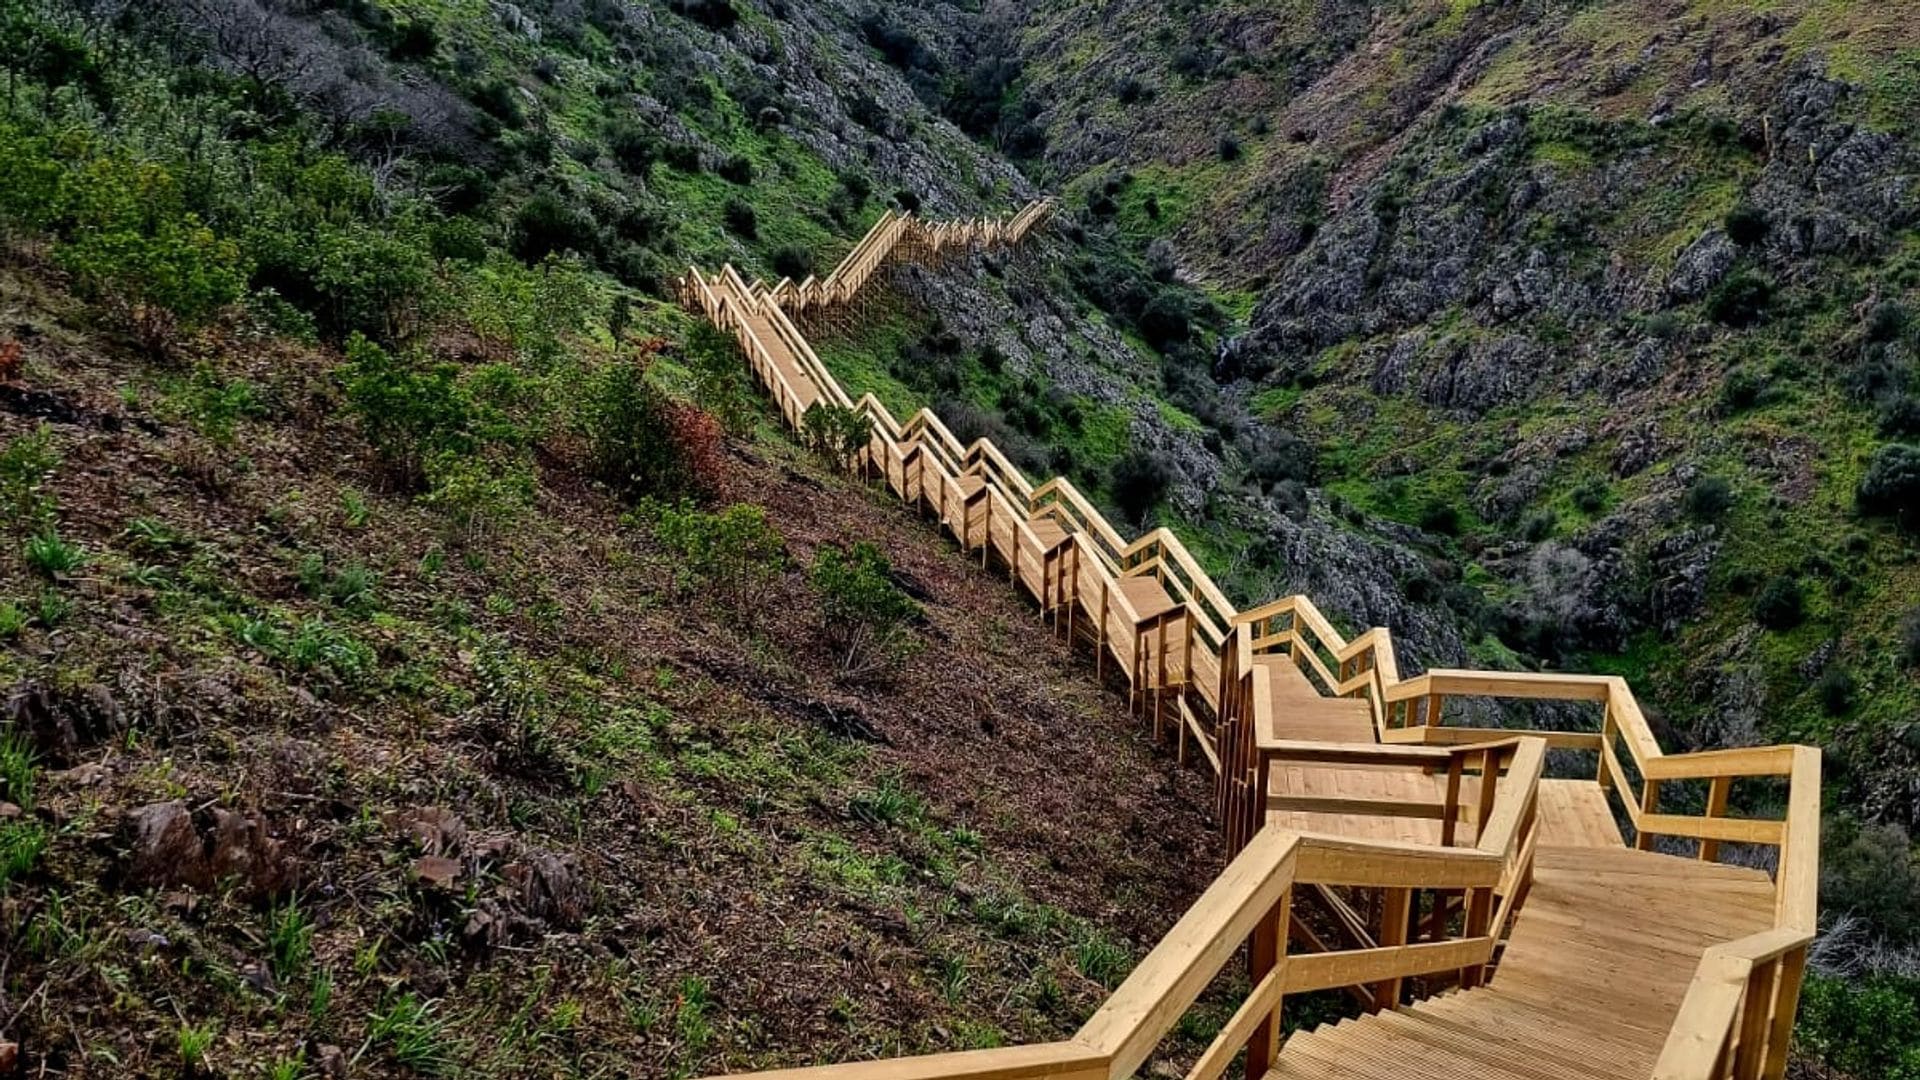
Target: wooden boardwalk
1492,921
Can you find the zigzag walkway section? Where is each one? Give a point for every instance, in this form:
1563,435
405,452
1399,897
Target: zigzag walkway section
1609,921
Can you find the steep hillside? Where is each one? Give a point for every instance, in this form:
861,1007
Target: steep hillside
1571,334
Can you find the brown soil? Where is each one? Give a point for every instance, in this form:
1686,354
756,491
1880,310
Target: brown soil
571,819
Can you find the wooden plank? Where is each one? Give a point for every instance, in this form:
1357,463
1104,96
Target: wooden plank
1329,971
1738,830
1044,1061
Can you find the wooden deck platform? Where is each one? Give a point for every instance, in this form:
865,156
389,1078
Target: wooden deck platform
1588,988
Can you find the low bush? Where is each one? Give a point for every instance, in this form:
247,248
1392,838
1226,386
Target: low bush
1891,486
545,225
628,426
1781,603
865,617
741,220
409,407
1708,498
733,555
1140,479
1747,224
481,493
1864,1027
1835,690
1910,638
737,169
1741,300
136,250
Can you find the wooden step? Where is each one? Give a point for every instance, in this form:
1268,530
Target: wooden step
1575,813
1302,714
1048,531
1148,597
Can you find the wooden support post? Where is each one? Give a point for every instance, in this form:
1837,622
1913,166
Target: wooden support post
1073,597
1160,677
1450,824
1756,1022
1479,921
1649,801
1433,710
1100,634
1717,794
1793,968
1267,951
1395,910
1489,787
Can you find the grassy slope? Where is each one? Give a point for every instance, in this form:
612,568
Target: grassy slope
760,889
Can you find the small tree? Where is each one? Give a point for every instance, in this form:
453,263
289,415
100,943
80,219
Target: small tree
837,433
409,407
865,618
732,555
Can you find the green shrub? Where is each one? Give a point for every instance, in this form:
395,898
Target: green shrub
545,226
1891,486
732,554
1741,300
741,220
25,465
1781,604
628,425
839,434
1590,497
1910,638
409,407
1834,690
376,280
135,250
1166,320
1440,517
1708,498
1865,1028
793,262
1140,480
1872,871
737,169
866,618
722,382
481,493
1747,224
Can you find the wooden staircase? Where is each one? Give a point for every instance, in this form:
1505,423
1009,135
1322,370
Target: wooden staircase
1589,984
1493,920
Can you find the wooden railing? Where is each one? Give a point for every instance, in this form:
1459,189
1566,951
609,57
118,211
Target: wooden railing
891,234
1738,1014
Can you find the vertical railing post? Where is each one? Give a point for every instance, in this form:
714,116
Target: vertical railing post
1267,951
1718,792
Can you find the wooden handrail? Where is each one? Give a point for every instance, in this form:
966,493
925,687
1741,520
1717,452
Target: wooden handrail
1737,1014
